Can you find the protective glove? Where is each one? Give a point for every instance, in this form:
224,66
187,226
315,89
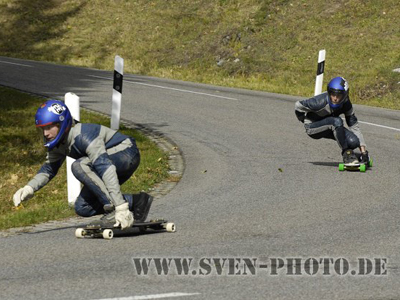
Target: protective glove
300,116
123,216
23,194
364,158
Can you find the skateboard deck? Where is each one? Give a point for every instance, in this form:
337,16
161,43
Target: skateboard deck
96,231
355,167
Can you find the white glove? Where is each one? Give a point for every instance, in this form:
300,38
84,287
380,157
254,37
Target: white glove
123,216
23,194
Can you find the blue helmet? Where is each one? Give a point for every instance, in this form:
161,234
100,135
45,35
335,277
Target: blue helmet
54,112
338,85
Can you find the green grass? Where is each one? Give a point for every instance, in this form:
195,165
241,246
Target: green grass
262,44
22,153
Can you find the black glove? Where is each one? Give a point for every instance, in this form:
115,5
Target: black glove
300,115
364,158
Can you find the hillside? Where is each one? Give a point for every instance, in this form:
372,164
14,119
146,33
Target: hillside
254,44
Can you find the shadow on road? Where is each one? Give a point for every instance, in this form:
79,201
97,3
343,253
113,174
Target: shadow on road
325,164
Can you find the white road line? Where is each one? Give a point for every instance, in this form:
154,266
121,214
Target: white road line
7,62
377,125
156,296
168,88
211,95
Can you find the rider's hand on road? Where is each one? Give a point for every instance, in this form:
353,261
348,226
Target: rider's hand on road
364,157
123,216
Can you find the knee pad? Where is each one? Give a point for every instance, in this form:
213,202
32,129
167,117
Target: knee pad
80,208
76,168
337,122
353,142
85,209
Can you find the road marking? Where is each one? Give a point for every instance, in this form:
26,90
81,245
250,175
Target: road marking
211,95
377,125
156,296
169,88
7,62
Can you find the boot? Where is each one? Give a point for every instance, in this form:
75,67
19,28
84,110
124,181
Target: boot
349,158
140,206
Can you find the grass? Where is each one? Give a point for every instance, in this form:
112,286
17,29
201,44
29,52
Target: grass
22,153
255,44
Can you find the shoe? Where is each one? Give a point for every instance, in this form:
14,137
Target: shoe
108,220
109,208
141,206
349,158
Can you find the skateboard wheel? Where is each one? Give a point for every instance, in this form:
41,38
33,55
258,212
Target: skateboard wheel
108,234
341,167
170,227
370,163
363,168
80,232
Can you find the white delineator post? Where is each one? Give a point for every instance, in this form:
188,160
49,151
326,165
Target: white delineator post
117,92
320,72
74,185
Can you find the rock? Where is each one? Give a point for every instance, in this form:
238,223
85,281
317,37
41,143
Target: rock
220,62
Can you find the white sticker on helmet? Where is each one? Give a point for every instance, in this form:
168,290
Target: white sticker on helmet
56,108
346,84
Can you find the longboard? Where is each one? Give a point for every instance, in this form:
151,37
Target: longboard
355,167
96,231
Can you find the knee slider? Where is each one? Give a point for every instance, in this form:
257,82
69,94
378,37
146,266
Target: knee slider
80,208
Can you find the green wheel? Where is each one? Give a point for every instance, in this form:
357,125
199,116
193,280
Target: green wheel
363,168
370,163
341,167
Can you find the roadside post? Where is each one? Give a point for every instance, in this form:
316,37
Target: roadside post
320,72
117,92
74,186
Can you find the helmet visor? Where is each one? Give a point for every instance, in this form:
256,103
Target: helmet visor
336,97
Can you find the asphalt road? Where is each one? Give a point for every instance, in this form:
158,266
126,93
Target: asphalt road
256,192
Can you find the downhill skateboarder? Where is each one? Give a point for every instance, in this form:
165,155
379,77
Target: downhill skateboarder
105,159
321,117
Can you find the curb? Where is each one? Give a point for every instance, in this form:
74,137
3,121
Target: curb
176,160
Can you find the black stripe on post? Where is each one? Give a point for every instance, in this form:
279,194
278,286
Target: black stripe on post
321,67
118,81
